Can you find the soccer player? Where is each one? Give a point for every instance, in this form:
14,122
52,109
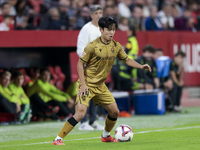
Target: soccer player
99,56
88,33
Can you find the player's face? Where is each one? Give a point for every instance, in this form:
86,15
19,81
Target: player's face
18,81
97,15
5,80
45,76
107,34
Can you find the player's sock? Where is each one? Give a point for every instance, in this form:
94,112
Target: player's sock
110,123
68,126
58,138
105,134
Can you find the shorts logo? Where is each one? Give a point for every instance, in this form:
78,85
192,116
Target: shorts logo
112,50
98,58
83,54
100,49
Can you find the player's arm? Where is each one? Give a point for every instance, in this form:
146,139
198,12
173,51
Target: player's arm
134,64
84,59
174,78
84,87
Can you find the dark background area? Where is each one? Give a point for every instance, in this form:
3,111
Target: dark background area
37,57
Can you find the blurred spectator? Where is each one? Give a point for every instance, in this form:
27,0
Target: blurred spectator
153,22
136,19
124,10
64,7
174,12
89,3
12,3
132,46
42,89
5,10
83,18
4,26
186,22
166,83
123,24
176,73
102,3
146,4
110,2
24,19
8,101
55,22
149,79
165,16
109,11
16,88
36,4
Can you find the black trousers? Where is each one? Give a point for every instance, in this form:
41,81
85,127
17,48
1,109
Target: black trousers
64,111
38,105
6,106
176,94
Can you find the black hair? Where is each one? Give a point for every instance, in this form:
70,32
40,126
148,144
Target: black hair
16,73
159,50
3,4
137,5
107,22
132,28
6,16
148,48
44,69
36,69
180,53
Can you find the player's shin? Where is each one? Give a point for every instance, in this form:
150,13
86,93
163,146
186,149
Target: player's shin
109,124
68,126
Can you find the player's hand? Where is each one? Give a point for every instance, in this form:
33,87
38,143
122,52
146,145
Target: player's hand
83,90
146,67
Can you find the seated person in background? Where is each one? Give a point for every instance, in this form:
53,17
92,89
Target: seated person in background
153,22
176,73
149,79
9,103
4,26
16,88
50,94
166,83
41,110
5,10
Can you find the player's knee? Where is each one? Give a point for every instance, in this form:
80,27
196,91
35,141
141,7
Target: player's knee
81,114
115,113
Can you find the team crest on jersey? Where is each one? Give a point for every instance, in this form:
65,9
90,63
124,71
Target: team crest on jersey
83,54
112,50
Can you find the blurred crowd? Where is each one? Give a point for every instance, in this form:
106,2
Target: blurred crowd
74,14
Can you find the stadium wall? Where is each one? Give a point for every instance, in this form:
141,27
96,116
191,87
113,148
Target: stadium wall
45,42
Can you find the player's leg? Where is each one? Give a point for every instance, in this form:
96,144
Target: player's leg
80,111
111,118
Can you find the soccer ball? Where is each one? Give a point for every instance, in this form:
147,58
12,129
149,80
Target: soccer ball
123,133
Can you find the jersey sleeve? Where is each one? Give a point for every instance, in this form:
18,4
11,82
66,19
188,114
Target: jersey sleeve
121,53
86,55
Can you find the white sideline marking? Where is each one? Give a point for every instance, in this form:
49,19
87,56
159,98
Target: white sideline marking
184,128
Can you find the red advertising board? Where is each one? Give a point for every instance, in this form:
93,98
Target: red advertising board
169,41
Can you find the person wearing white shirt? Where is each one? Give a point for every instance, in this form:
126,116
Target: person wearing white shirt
165,16
88,33
124,10
4,26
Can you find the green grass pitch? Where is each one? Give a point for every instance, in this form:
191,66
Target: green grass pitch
153,132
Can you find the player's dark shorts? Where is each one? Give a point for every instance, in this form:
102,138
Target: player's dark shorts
100,95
